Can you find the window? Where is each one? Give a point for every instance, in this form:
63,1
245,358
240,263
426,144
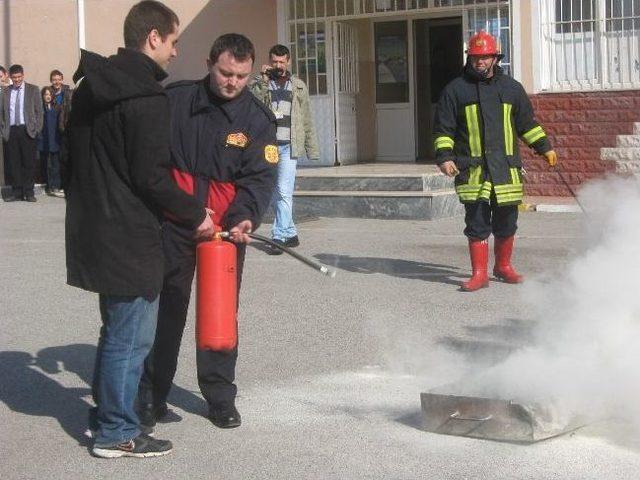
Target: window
392,64
309,55
575,16
623,15
590,44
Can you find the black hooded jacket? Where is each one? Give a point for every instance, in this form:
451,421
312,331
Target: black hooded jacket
120,182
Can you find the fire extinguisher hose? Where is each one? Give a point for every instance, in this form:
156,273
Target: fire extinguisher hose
306,260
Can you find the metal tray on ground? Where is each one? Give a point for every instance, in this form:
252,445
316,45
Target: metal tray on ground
493,419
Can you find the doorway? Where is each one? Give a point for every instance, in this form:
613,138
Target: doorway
439,58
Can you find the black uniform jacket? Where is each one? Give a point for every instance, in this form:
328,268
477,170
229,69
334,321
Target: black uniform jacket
483,119
120,180
223,151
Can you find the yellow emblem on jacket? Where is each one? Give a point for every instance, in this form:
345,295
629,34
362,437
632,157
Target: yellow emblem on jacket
271,153
238,139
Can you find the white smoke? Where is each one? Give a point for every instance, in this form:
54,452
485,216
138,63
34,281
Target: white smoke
586,356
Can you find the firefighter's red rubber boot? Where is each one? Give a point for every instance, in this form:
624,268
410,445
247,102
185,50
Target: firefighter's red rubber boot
503,248
479,252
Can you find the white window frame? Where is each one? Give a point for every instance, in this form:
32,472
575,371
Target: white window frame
543,23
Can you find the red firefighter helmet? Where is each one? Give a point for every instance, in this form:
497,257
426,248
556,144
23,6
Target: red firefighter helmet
483,43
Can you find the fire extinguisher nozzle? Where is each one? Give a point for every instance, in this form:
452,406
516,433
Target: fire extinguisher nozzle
329,273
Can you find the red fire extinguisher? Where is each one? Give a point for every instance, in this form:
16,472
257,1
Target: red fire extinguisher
216,295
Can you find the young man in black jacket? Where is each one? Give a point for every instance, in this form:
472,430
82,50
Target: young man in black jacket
224,153
119,188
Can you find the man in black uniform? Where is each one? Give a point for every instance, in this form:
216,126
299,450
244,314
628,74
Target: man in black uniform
224,153
478,119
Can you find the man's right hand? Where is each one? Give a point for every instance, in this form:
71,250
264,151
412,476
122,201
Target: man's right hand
449,168
263,71
205,230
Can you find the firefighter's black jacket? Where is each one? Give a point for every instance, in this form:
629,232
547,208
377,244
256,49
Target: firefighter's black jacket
477,123
223,151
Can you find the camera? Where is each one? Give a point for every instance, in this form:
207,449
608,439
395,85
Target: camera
274,73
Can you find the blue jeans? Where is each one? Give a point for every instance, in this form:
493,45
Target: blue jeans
282,199
52,165
127,334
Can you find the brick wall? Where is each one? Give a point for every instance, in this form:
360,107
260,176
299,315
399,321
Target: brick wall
578,125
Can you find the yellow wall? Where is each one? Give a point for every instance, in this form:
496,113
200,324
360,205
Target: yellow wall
43,35
39,35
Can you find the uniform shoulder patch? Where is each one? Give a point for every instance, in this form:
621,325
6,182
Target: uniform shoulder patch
237,139
271,154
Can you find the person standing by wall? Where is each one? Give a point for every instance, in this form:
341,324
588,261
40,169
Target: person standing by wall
478,119
4,75
5,80
22,119
49,142
120,185
288,97
63,94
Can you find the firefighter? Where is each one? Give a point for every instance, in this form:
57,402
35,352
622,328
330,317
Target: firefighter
478,119
223,150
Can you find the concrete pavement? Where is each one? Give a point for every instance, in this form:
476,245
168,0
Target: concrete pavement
329,373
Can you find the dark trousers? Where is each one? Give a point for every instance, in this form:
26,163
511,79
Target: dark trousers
52,168
216,370
21,150
482,219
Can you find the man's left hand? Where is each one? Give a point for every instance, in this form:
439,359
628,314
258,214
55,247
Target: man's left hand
552,158
238,234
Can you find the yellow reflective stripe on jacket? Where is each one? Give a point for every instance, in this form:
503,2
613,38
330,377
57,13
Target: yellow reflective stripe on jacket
469,192
533,135
508,130
471,113
443,142
477,189
485,191
510,192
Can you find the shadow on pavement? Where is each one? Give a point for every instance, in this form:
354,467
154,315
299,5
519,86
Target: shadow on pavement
395,267
28,390
493,343
29,387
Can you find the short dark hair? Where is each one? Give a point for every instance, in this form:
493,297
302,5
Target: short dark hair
54,73
144,17
236,44
3,70
279,51
16,69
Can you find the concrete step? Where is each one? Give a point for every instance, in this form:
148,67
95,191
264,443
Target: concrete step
627,154
623,141
383,183
627,167
398,205
636,128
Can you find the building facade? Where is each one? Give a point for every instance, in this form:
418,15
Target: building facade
375,68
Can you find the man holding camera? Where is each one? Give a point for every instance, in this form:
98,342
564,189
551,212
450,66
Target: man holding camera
288,98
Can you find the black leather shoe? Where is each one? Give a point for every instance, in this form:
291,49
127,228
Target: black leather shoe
226,416
10,199
292,242
30,199
275,250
